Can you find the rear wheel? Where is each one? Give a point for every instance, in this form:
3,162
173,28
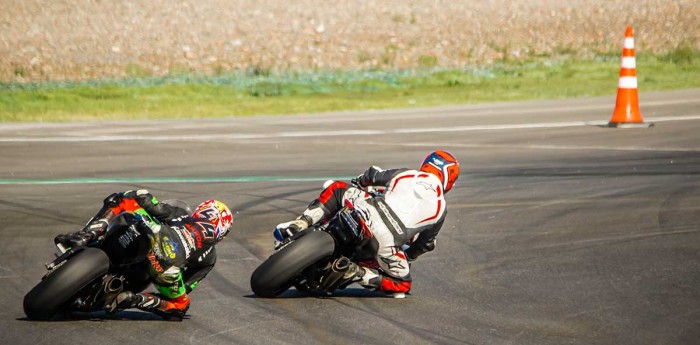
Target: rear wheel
275,275
47,297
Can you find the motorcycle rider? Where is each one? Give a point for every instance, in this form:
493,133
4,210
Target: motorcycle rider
182,247
410,212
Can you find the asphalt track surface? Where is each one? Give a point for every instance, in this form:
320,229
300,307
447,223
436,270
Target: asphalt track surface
559,231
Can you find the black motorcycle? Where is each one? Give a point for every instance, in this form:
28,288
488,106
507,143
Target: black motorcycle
86,278
307,260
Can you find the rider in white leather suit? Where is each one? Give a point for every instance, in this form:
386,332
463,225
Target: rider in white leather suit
402,222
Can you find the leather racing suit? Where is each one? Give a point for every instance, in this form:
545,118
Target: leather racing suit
182,248
410,212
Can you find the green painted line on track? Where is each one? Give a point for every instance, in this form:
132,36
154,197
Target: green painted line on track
170,180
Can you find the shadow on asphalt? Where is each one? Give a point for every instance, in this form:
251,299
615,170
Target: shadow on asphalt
101,316
346,293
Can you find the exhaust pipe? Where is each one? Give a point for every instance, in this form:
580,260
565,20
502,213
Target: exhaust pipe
341,265
335,278
112,287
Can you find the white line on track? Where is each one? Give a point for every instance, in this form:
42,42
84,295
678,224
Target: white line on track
537,147
458,111
322,133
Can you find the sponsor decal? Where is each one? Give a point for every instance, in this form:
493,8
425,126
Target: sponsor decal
391,219
128,236
204,255
54,268
169,247
393,264
426,185
197,235
179,219
154,262
186,239
156,248
198,238
437,161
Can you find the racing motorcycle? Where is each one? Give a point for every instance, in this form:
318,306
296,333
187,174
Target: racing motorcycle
86,278
307,259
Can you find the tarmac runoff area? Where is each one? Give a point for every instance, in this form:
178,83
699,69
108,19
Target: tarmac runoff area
560,230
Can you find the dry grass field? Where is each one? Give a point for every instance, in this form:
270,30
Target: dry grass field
91,39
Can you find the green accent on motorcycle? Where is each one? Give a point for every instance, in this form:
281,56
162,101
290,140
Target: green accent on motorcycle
147,217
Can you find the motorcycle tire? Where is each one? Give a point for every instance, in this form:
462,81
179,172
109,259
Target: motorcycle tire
275,275
44,301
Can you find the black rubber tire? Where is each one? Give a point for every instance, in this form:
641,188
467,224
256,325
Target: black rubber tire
47,297
274,275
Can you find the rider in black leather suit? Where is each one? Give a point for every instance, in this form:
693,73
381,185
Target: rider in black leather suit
182,247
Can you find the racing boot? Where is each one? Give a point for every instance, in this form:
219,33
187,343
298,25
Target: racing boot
392,287
371,278
94,229
174,310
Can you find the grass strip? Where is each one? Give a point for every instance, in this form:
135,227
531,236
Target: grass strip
186,96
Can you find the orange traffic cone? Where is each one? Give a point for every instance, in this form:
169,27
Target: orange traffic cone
626,112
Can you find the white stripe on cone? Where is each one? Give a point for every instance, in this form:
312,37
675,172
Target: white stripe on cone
629,43
627,83
629,62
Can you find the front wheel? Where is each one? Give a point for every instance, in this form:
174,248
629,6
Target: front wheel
47,297
275,275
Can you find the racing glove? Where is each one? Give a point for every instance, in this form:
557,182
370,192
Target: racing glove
366,179
288,229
